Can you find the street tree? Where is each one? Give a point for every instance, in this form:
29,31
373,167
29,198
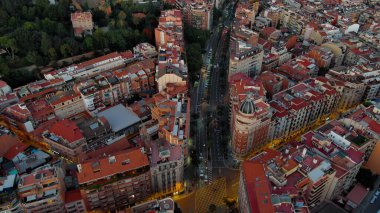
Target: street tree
9,44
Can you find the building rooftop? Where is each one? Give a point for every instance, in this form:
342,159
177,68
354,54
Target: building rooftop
43,183
94,170
165,205
258,188
15,150
72,196
66,129
357,194
119,117
7,183
162,151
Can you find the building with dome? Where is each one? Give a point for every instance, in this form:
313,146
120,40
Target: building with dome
250,115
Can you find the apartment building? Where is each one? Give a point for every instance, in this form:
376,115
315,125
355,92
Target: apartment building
170,75
43,190
82,22
343,148
296,166
293,21
97,132
245,14
102,91
171,66
273,83
250,127
173,115
349,84
66,139
245,55
298,69
116,181
301,105
339,50
94,66
74,202
250,115
8,196
281,51
367,120
199,14
323,56
166,205
170,29
19,117
145,50
66,104
257,194
273,13
166,166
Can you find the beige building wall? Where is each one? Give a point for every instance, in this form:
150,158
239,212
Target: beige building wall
373,162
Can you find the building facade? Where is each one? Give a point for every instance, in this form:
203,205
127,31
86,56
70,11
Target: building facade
199,14
43,190
114,182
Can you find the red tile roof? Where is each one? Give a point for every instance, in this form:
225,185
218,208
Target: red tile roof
357,194
374,126
14,150
72,196
97,60
127,54
67,129
266,32
64,98
258,189
133,159
7,141
116,147
3,84
80,16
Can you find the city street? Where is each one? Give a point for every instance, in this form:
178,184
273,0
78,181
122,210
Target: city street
206,96
216,92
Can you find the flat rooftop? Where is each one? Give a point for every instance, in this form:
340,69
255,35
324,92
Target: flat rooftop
119,117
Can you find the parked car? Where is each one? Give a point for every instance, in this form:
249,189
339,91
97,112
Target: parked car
373,199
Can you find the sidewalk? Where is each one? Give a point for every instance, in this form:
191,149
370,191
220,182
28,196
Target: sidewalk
230,163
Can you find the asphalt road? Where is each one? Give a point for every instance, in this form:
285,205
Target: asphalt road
208,86
216,93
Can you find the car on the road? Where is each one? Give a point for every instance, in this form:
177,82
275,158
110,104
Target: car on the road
373,199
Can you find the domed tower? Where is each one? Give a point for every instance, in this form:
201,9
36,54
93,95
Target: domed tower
250,126
248,106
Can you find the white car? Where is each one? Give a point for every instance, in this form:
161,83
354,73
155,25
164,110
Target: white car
373,199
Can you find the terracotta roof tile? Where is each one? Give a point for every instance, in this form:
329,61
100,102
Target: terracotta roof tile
125,161
67,129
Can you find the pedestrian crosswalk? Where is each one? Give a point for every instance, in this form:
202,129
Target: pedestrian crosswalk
209,173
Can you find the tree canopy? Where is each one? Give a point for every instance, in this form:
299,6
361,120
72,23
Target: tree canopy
39,33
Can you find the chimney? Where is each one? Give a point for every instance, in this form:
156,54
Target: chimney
304,152
112,160
315,161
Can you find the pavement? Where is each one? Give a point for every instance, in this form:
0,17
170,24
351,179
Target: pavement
186,202
210,194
